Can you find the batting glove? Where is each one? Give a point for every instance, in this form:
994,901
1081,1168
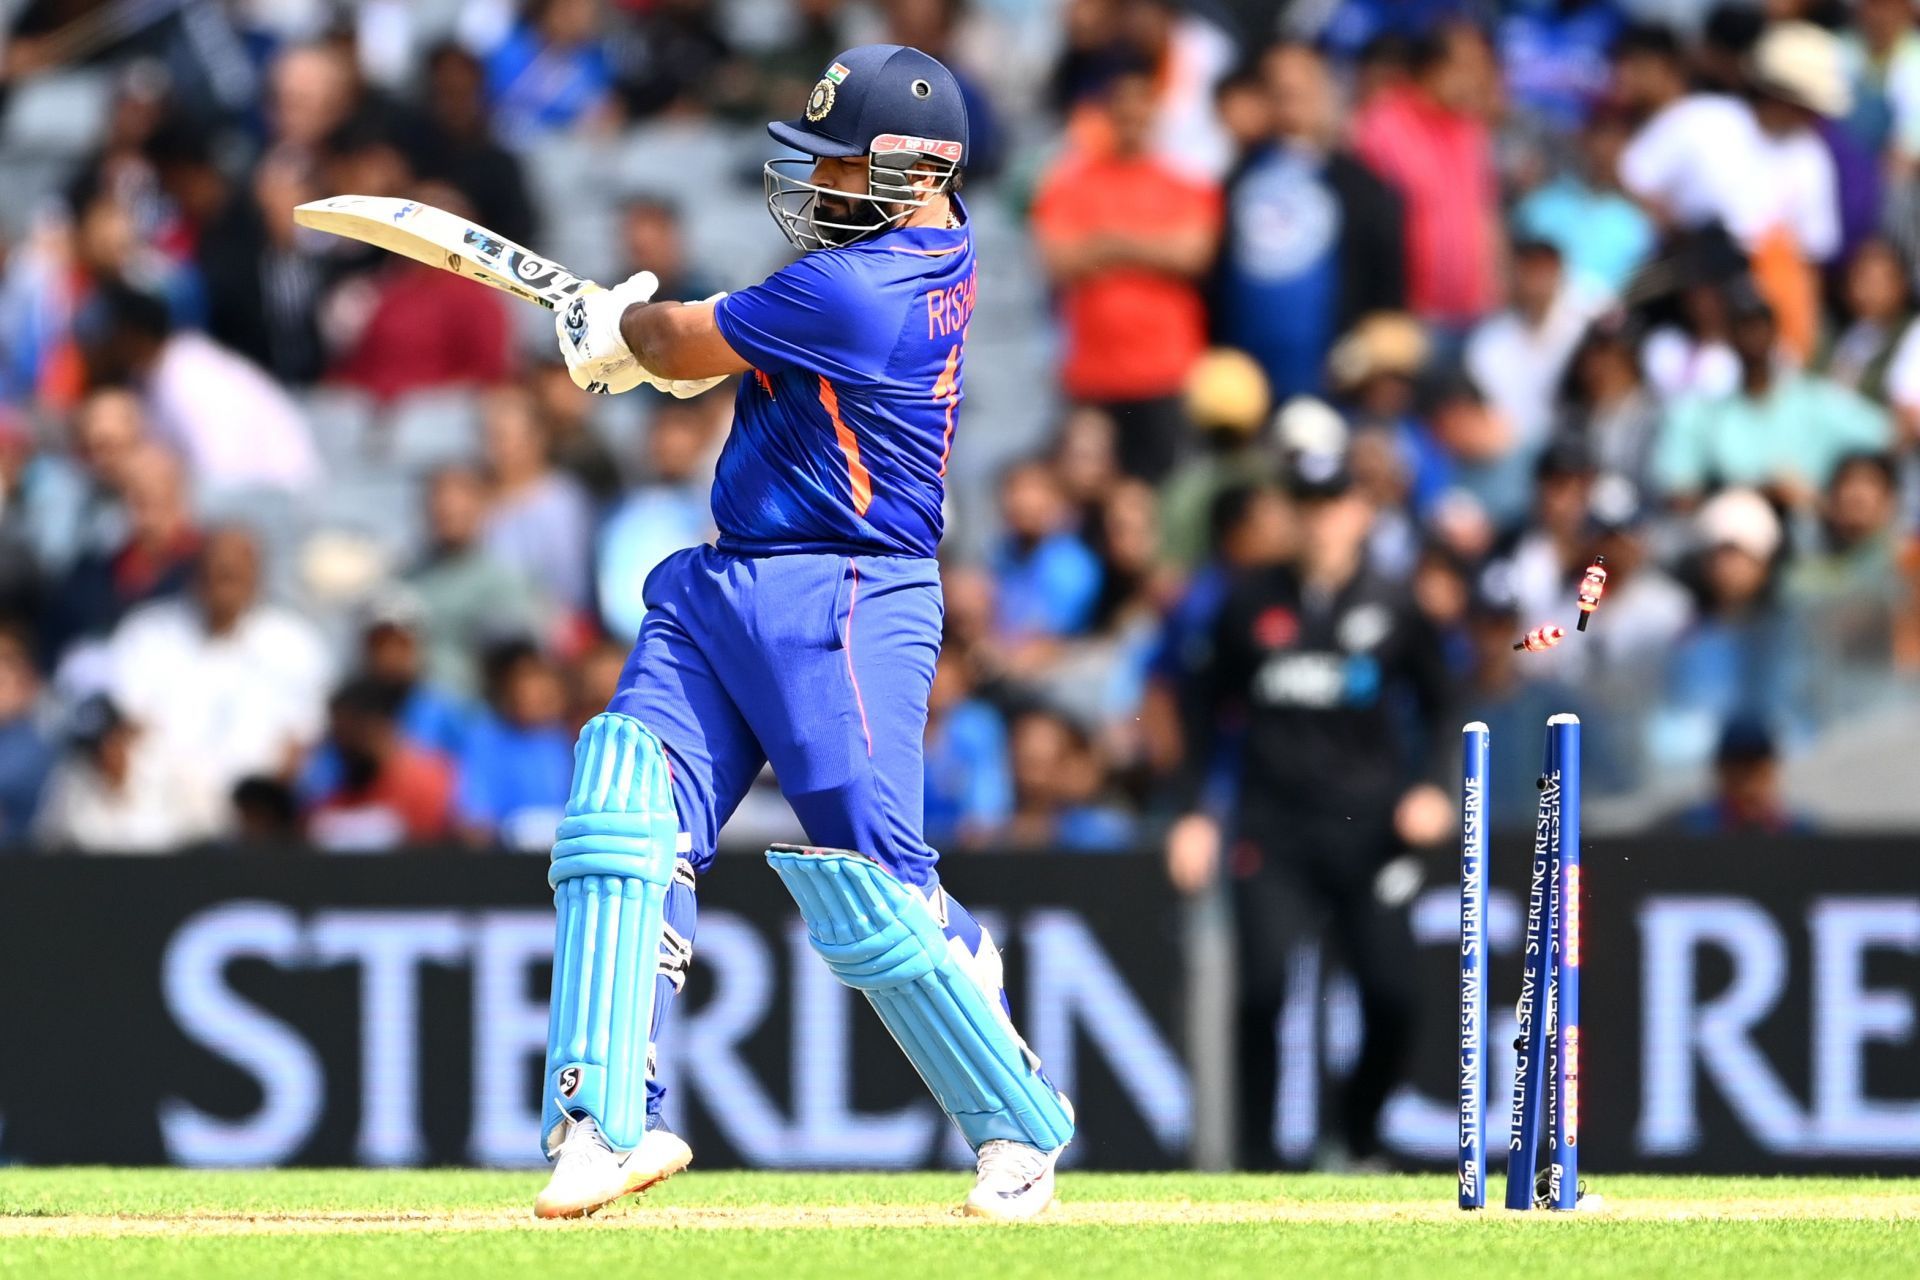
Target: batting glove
598,358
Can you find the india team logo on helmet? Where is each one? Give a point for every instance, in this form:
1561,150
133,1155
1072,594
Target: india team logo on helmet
820,101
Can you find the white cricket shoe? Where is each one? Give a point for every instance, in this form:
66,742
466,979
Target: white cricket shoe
1015,1181
589,1174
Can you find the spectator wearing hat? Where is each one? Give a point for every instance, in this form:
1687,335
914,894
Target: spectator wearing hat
1374,366
389,791
1782,430
1798,88
1313,239
1748,799
1428,138
117,791
1228,403
1756,169
1519,355
1346,703
1376,371
1127,266
26,756
1736,658
1602,235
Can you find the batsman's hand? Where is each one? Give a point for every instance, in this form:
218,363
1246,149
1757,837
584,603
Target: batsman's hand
1193,852
598,358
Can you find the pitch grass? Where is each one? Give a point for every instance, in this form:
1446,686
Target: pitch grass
798,1226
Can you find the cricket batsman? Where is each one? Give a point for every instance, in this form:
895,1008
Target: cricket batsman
806,638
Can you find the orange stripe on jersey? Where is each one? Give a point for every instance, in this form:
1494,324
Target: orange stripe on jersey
947,388
857,478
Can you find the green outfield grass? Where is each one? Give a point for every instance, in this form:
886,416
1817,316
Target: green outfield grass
324,1223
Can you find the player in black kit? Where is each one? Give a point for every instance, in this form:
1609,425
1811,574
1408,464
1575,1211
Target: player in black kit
1342,689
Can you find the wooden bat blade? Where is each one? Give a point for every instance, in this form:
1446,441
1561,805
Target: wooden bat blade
446,241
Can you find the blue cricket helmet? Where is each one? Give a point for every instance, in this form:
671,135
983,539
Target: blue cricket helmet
896,106
875,91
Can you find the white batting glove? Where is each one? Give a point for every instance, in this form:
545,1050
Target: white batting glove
598,358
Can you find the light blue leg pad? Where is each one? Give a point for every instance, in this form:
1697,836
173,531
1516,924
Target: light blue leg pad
881,938
612,863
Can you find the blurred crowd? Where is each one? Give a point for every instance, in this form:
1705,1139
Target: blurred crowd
303,541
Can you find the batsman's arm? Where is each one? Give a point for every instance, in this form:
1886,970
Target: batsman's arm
679,341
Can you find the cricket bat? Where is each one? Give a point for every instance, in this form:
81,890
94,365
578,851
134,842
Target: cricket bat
446,241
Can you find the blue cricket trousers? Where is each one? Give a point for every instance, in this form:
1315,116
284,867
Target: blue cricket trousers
818,663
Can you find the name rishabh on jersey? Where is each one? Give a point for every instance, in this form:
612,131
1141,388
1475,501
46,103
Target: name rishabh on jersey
841,435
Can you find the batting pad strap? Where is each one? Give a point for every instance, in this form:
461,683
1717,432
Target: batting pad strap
880,937
611,866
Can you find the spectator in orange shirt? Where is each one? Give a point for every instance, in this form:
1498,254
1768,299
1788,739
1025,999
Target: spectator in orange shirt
1126,239
1429,139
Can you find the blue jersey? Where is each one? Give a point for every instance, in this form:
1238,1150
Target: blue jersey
841,433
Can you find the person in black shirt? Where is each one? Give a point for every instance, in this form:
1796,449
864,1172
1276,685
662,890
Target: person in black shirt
1342,688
